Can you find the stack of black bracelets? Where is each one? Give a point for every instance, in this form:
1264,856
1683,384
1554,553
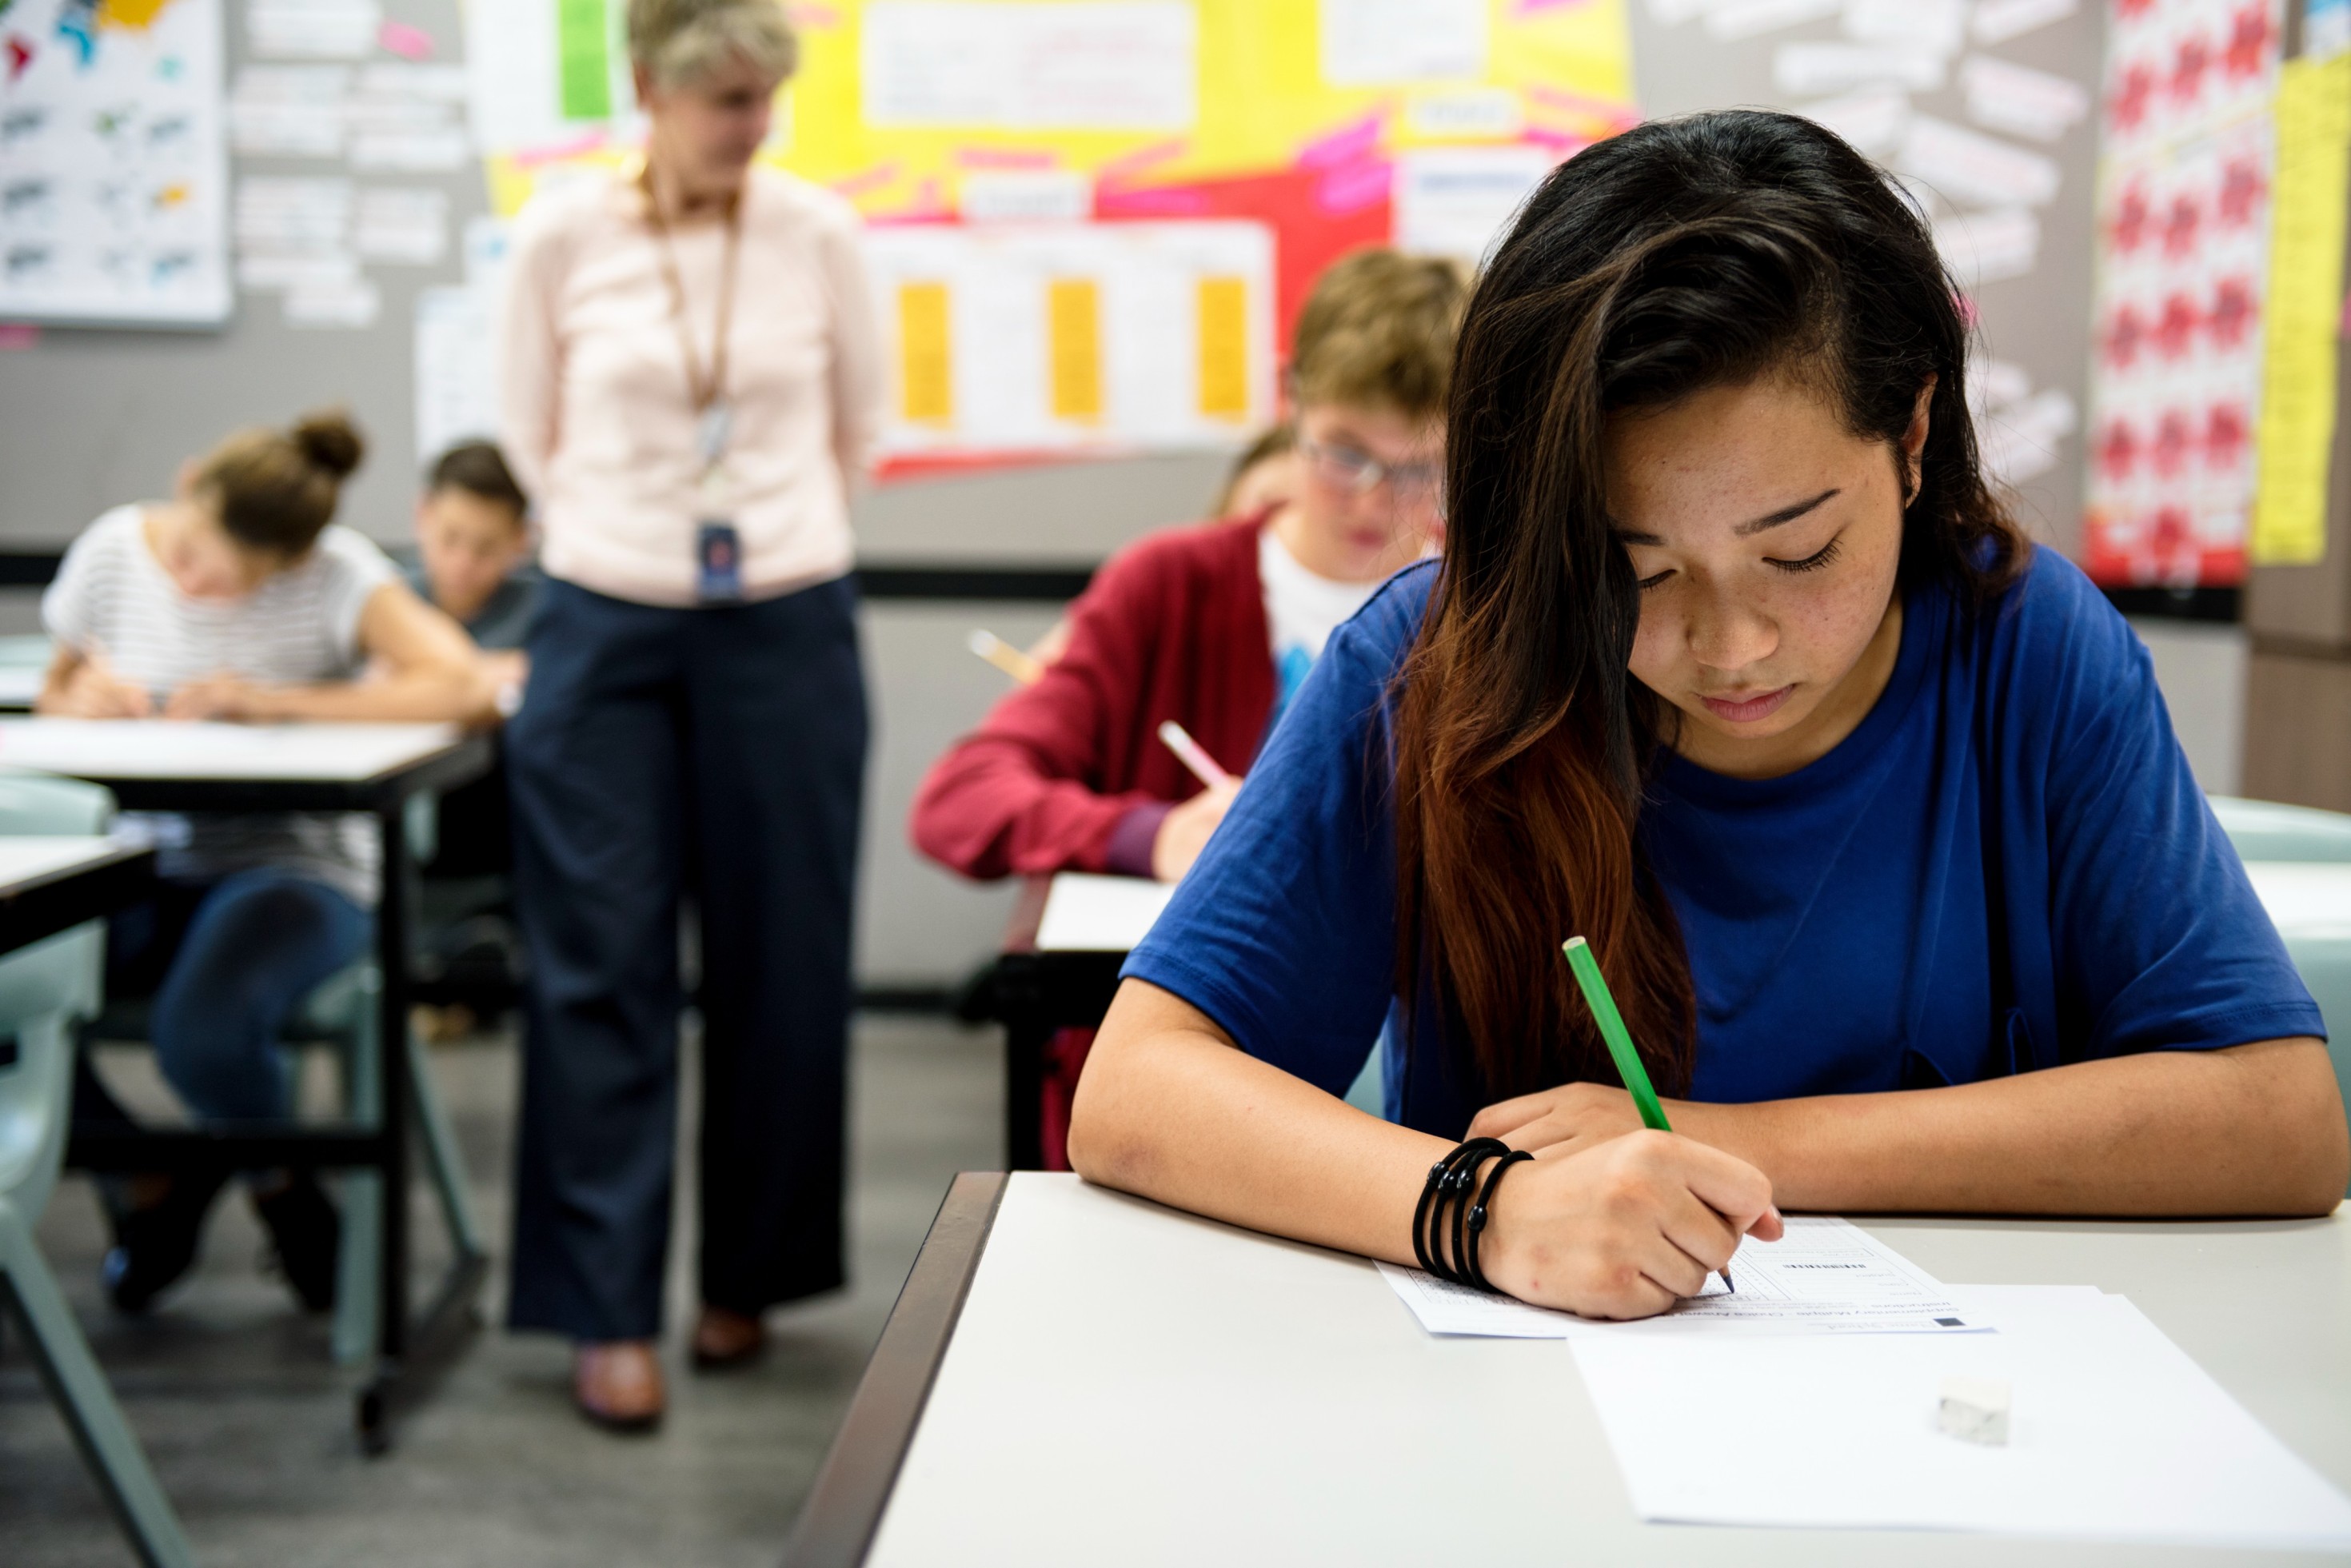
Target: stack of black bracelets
1447,1212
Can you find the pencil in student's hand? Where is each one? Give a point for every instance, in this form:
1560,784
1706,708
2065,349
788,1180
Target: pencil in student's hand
1192,755
1021,666
1619,1041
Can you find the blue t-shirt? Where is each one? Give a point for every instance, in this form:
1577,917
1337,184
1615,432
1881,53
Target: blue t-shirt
2005,866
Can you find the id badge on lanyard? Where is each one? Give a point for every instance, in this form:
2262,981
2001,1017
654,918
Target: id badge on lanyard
717,548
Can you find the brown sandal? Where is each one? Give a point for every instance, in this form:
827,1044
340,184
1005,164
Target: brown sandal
618,1385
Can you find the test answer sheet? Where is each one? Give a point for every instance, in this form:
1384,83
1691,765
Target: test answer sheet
2115,1434
1826,1276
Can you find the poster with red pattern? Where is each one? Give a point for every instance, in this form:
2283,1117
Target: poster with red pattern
2183,251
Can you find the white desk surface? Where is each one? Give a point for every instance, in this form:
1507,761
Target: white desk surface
1131,1384
167,749
1089,914
30,859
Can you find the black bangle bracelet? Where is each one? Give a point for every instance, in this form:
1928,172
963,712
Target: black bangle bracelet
1450,1182
1479,1213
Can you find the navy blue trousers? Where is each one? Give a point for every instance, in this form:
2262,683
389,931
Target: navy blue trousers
718,753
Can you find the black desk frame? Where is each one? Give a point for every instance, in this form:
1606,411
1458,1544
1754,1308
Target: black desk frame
837,1523
410,1352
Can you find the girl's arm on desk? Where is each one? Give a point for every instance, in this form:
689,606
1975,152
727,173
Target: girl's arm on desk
1169,1108
81,684
430,673
2250,1129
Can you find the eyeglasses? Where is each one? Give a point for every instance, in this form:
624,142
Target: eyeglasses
1359,472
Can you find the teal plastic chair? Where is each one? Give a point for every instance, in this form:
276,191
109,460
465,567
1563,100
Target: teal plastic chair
2264,831
45,990
26,652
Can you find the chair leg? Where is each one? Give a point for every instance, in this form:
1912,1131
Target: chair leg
356,1267
441,1152
108,1447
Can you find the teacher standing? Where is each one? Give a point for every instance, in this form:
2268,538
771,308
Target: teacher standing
691,381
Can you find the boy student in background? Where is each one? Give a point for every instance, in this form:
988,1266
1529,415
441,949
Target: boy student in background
474,554
1213,626
472,562
1735,665
237,599
1266,475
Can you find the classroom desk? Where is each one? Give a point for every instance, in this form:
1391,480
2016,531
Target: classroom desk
52,883
1074,1376
1057,969
163,766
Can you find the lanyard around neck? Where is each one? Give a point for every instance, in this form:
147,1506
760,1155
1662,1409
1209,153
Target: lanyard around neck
711,391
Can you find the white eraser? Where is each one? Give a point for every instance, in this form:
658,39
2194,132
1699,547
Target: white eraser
1975,1410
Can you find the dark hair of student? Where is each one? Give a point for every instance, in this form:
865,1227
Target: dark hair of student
277,489
1680,255
479,468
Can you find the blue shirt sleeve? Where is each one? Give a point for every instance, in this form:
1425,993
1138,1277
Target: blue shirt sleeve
2160,940
1284,931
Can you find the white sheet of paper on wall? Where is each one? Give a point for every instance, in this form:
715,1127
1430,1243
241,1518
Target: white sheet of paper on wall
1806,70
1120,65
1968,168
418,152
1987,246
348,306
1873,120
404,78
2022,441
1456,201
1024,195
1996,21
312,29
1481,112
1730,19
291,212
1375,43
409,226
1930,24
2020,100
289,111
278,271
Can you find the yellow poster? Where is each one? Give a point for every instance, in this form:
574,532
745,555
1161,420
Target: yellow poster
927,366
2305,312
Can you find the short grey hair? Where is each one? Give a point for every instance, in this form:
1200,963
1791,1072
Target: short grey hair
676,41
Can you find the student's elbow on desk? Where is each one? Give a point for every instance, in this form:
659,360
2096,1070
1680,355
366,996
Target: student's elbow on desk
1117,1120
2312,1126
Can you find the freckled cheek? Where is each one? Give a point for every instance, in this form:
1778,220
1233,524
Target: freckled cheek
1827,627
1659,649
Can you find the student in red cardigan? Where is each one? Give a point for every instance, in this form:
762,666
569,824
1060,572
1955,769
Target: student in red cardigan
1213,625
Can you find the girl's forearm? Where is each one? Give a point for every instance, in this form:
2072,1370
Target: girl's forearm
2253,1129
437,697
1172,1111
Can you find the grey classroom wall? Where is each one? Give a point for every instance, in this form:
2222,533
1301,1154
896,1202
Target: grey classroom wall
92,418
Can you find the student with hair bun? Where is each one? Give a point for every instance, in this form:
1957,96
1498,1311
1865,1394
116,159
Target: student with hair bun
239,599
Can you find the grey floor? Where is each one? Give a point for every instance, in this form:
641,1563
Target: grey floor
248,1423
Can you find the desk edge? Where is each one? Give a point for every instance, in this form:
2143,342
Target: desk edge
844,1511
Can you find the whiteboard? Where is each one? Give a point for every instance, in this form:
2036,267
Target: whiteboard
114,166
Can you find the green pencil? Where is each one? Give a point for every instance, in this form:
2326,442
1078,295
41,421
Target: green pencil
1620,1045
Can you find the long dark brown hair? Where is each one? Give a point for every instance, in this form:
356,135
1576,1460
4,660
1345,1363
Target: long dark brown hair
1680,255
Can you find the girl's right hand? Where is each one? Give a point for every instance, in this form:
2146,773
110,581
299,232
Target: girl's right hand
1622,1228
92,691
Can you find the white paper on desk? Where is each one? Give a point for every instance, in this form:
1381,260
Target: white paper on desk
1089,913
2115,1434
1826,1276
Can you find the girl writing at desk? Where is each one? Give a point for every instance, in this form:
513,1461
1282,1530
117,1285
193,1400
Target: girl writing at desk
237,599
1733,664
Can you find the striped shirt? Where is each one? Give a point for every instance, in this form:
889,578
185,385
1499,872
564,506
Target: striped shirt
113,597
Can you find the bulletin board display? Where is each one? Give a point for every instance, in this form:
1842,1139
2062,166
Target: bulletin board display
1093,220
114,167
2187,173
